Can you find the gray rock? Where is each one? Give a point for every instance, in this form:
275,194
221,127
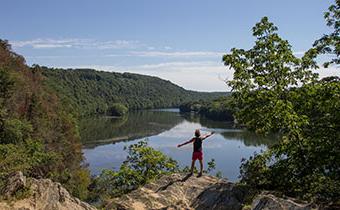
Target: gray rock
177,191
220,196
44,195
267,201
15,182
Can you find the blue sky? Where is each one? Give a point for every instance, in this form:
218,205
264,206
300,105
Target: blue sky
178,40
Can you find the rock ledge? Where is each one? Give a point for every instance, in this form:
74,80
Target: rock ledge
44,194
178,191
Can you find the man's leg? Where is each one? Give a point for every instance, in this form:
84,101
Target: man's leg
192,166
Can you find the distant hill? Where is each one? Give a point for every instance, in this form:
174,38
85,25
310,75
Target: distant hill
93,92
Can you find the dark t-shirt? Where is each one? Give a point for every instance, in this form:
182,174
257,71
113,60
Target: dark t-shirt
197,144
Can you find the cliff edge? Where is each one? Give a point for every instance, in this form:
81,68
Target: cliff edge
176,191
179,191
40,194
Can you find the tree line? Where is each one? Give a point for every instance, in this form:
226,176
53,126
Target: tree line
96,92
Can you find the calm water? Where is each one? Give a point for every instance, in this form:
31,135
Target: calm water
164,129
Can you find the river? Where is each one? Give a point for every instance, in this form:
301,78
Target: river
104,139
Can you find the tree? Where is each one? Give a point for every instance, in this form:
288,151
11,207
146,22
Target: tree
142,165
274,91
118,109
38,135
263,76
330,43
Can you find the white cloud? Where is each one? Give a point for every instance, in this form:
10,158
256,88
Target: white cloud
151,48
44,43
77,43
177,54
177,65
326,72
296,53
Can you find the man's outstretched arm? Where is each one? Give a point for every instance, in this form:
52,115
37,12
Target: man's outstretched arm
206,136
191,140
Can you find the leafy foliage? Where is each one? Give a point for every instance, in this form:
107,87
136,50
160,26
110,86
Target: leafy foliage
37,134
118,109
142,165
262,79
330,43
305,163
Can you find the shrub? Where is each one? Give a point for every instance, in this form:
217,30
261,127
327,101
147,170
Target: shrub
118,109
142,165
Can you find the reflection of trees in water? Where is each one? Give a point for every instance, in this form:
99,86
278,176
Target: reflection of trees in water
139,124
251,138
205,122
247,137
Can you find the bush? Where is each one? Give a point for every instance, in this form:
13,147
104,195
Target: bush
14,131
29,157
118,109
142,165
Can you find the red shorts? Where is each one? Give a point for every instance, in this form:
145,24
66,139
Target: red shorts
197,155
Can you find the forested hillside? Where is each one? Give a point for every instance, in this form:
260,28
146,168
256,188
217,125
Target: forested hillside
37,135
95,92
217,109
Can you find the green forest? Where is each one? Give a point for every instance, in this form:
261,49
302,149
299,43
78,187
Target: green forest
38,135
218,109
97,92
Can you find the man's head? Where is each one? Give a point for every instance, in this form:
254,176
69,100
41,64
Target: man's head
197,133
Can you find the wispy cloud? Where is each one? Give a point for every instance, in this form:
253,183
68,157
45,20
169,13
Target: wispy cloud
175,66
201,66
77,43
176,54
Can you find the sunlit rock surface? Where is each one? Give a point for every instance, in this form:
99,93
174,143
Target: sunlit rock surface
267,201
42,194
176,191
179,191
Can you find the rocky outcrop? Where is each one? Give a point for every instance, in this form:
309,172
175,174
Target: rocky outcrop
178,191
15,182
268,201
42,194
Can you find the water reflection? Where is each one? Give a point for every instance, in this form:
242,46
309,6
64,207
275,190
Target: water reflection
228,131
164,131
139,124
